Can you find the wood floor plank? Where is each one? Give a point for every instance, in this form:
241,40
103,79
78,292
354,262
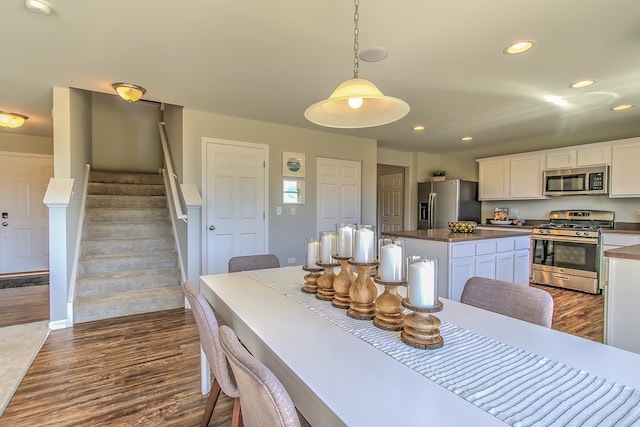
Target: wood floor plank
24,305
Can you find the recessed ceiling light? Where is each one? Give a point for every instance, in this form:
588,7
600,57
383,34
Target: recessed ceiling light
373,54
418,128
466,138
519,47
39,6
622,107
582,83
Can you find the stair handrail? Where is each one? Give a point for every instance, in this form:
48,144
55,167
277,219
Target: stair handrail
176,195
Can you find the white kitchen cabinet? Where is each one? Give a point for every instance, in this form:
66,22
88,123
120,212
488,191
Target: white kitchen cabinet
493,179
625,169
460,271
511,177
580,156
525,177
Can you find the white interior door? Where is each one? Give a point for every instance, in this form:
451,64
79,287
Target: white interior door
235,187
391,202
339,188
24,218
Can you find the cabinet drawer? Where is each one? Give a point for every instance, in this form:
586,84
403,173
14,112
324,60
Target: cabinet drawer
522,243
485,248
463,250
620,239
506,245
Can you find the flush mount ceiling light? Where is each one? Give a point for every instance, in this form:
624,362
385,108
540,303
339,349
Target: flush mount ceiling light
129,92
622,107
12,120
39,6
519,47
582,83
356,103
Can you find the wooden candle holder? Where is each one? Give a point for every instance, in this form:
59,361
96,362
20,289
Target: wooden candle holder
363,292
420,328
342,283
325,290
311,279
389,309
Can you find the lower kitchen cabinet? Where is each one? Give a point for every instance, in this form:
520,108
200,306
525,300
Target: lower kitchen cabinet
504,258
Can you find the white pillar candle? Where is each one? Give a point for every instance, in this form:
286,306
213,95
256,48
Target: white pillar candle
390,268
345,241
421,283
313,251
364,247
327,247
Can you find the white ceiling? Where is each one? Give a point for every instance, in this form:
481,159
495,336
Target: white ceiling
270,60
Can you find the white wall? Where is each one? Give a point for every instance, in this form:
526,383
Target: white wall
286,232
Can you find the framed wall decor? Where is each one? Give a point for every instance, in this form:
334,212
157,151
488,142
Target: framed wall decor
293,191
293,164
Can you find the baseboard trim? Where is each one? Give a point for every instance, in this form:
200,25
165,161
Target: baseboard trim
58,324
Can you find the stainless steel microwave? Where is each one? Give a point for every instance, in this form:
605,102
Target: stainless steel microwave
577,181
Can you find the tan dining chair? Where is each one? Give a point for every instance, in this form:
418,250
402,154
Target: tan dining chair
253,262
223,379
511,299
264,400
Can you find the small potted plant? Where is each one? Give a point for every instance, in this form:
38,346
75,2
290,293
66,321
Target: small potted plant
438,174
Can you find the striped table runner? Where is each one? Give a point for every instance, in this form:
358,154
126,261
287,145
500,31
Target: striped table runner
516,386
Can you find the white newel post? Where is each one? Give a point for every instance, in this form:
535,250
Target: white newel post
57,198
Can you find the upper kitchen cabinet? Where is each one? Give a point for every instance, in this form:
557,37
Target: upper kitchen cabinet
589,155
625,171
511,177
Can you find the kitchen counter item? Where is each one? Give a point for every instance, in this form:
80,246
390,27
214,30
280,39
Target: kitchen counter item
462,226
500,222
444,235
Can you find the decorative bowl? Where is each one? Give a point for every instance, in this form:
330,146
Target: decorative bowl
462,226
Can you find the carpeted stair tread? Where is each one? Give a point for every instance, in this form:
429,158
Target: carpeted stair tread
132,230
125,178
109,189
114,201
106,283
107,246
125,214
96,264
119,304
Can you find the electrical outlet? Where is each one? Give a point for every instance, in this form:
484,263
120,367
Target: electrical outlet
279,210
293,211
291,261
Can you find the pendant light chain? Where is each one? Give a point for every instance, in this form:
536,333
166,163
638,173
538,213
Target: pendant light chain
356,18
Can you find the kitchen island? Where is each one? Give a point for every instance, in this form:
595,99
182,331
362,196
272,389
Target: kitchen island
496,254
622,295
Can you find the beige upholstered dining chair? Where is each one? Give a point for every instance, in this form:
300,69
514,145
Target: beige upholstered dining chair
253,262
264,400
210,342
511,299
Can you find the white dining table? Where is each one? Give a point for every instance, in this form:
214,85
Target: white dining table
337,378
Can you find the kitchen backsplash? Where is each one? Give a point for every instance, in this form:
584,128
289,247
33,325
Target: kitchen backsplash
626,209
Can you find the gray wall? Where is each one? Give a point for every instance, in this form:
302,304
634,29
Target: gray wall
286,232
12,142
125,135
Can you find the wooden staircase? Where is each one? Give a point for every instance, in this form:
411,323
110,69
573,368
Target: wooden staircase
128,263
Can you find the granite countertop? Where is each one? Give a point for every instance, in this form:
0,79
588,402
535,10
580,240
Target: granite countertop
444,235
626,252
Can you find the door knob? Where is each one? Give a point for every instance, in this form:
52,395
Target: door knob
5,223
212,227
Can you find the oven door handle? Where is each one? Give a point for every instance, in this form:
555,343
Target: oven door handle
569,239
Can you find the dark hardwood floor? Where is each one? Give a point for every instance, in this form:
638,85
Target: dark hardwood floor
144,370
24,305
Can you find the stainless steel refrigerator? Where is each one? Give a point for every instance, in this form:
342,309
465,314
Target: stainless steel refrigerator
449,200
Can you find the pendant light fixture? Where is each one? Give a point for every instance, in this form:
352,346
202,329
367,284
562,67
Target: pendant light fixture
12,120
128,91
357,102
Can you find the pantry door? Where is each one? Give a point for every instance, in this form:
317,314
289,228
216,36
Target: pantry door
339,190
235,188
391,202
24,218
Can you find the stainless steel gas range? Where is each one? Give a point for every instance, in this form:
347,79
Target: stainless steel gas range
566,252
